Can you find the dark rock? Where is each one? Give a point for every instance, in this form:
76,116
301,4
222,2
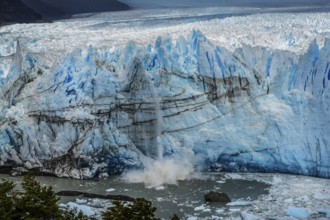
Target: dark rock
92,195
216,197
175,217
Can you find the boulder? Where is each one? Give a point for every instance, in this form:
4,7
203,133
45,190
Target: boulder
217,197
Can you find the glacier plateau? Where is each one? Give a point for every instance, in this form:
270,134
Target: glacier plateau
80,111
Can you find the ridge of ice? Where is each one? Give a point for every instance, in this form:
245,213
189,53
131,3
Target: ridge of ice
293,32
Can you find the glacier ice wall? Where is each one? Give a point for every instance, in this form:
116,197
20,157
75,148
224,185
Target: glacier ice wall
93,111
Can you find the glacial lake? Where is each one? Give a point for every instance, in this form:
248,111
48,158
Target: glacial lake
185,199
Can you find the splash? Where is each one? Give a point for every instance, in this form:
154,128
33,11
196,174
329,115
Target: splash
158,173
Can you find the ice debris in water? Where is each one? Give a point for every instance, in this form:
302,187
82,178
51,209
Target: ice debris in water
248,216
299,213
200,208
81,201
239,203
85,209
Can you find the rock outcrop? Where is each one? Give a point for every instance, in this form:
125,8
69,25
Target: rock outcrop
217,197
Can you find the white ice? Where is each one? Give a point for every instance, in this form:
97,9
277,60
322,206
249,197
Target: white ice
87,210
76,91
299,213
110,190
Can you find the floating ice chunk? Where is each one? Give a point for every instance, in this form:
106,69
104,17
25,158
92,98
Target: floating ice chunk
110,190
289,200
299,213
81,201
239,203
219,211
248,216
221,181
83,208
200,208
234,210
97,203
160,199
160,187
234,176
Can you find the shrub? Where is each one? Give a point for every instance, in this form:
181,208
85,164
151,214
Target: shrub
34,202
37,201
141,209
7,199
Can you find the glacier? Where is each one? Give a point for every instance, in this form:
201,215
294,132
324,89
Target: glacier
93,110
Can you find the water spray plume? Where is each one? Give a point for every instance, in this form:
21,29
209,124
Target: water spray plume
161,172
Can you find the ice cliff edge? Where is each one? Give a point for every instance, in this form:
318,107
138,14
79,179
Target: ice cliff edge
96,111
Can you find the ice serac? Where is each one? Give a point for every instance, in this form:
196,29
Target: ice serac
97,111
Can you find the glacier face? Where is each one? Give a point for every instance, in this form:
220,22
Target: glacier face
96,110
251,95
